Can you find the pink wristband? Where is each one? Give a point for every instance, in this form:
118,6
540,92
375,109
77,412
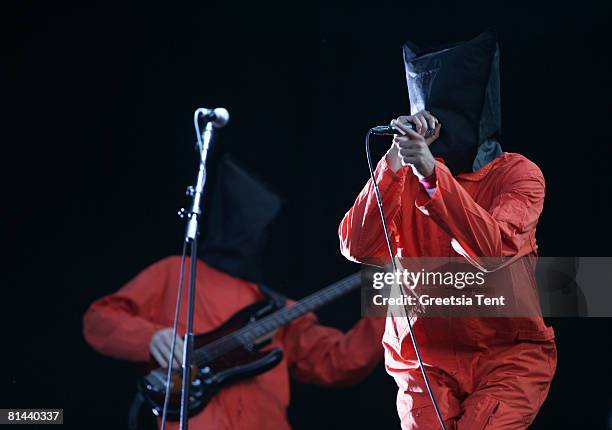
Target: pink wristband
429,182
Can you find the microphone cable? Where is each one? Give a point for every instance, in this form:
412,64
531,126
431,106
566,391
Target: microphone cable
394,265
177,312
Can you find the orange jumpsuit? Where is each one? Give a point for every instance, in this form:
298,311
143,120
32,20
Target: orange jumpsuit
121,325
491,373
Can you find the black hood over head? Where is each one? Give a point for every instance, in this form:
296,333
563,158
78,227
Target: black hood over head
239,213
459,85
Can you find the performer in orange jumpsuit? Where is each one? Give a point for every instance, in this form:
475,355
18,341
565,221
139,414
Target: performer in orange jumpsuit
460,197
133,323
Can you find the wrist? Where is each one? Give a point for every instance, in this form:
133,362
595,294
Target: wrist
425,170
393,160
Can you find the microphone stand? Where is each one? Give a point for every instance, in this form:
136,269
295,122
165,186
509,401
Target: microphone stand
191,238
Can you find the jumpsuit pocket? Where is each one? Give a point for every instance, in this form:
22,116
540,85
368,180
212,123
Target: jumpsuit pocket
482,415
500,415
545,339
421,411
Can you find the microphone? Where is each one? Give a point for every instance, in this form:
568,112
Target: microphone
388,130
218,116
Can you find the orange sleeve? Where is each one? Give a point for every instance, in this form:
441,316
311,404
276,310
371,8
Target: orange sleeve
361,231
121,325
327,356
505,231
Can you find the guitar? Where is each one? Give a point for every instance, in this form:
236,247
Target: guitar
231,352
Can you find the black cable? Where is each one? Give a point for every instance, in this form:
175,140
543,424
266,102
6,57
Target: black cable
394,265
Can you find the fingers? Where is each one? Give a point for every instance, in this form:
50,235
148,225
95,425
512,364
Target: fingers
432,121
424,123
165,350
409,136
178,351
436,132
414,135
399,125
177,359
160,348
411,160
403,124
405,143
409,154
159,356
411,141
410,151
420,124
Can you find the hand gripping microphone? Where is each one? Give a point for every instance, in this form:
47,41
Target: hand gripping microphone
389,130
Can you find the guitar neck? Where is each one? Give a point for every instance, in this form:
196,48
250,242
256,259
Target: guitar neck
308,304
248,334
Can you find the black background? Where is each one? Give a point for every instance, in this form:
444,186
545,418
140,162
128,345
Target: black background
97,142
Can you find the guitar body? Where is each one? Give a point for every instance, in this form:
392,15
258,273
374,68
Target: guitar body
235,365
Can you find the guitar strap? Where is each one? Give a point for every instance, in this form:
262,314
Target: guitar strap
279,301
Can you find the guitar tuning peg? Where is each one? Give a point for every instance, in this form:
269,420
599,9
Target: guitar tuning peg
190,191
182,213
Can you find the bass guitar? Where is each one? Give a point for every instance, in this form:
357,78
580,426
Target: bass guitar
233,352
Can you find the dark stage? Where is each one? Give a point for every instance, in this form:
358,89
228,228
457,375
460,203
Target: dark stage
99,146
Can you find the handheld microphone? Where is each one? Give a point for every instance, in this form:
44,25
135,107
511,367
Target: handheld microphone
218,116
389,130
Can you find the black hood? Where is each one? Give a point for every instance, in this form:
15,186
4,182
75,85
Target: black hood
459,84
239,215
